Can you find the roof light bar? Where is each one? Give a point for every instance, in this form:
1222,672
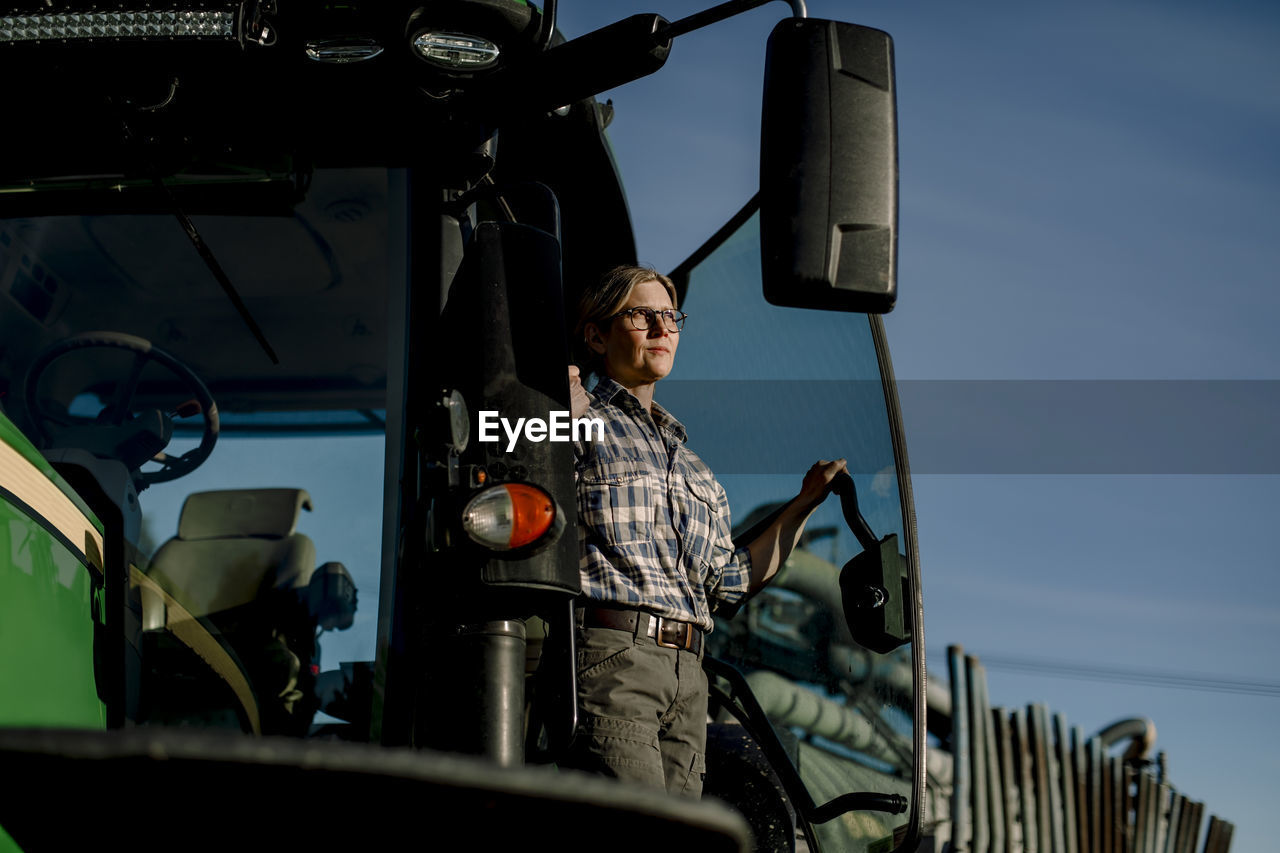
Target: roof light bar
456,51
149,24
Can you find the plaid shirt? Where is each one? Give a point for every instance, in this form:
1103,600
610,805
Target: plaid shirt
653,523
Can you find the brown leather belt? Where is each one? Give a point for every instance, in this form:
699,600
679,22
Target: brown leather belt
667,633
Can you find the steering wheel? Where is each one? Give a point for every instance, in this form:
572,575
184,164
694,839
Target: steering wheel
118,410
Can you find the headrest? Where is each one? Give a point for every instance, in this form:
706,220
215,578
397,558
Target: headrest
242,512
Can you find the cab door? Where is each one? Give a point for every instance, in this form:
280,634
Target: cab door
827,692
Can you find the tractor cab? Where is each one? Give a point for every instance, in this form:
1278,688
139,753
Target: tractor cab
262,268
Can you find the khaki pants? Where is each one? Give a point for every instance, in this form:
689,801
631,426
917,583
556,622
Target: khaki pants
642,712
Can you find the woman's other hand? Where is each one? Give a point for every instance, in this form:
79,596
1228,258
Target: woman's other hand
579,399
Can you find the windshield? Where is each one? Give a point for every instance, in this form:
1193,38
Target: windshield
841,712
312,419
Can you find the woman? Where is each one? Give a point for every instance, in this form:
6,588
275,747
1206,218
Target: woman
656,555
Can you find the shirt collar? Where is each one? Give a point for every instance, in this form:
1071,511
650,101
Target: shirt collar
609,391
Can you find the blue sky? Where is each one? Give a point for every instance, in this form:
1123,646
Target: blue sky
1088,191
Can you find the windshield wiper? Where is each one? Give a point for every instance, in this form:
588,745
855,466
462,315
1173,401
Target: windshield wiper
206,254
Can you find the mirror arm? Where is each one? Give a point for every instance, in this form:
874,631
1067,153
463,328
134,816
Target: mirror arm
716,14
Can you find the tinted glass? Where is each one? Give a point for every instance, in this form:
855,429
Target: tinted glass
314,279
765,392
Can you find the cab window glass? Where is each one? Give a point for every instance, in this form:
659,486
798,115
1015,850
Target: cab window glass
765,392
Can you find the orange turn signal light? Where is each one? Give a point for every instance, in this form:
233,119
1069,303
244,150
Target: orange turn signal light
509,516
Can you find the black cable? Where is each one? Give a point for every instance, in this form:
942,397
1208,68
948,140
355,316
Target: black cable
1131,675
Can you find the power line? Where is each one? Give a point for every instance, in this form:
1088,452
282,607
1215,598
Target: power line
1127,675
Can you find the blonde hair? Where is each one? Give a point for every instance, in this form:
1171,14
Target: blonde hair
601,301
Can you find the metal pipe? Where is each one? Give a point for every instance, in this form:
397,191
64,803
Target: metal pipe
961,808
716,14
491,720
1140,730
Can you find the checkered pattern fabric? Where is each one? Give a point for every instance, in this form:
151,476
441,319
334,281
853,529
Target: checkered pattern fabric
653,523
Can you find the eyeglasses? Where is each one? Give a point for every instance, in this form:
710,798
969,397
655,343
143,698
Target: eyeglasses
645,319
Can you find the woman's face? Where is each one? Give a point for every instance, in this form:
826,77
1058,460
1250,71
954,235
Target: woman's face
633,356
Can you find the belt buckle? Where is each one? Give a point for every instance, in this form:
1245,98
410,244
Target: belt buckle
658,631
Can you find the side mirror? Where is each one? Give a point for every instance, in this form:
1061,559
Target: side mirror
829,168
874,585
874,589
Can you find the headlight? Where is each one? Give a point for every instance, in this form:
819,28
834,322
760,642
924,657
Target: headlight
343,51
455,51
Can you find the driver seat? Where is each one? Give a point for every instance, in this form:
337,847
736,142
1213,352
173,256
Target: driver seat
239,564
234,546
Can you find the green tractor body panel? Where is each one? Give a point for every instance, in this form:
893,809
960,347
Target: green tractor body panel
50,595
